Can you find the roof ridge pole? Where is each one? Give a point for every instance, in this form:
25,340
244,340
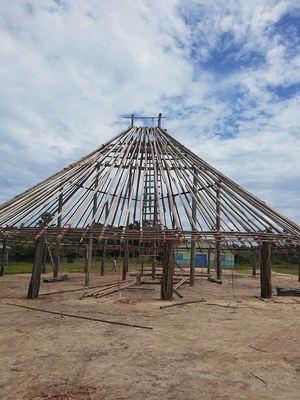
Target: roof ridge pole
159,120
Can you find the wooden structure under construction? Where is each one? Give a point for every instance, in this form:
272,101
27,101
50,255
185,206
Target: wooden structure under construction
143,186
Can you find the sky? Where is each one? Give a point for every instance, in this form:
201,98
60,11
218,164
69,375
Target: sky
224,73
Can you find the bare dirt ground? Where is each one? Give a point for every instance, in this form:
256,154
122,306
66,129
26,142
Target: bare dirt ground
230,346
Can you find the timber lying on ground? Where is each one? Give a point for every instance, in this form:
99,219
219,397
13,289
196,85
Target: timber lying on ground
56,279
110,289
80,317
287,292
176,274
218,281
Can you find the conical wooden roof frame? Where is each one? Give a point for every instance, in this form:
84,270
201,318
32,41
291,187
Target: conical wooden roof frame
143,184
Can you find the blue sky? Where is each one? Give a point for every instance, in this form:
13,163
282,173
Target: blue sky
226,74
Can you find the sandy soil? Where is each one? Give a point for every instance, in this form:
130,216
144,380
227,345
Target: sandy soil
230,346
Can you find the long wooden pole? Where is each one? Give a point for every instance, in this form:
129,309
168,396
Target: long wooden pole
57,248
217,241
125,261
208,260
265,270
193,242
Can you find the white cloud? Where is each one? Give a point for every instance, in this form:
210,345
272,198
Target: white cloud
69,71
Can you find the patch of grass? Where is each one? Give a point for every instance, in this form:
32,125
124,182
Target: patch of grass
281,268
19,267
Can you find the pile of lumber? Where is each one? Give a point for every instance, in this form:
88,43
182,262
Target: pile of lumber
106,290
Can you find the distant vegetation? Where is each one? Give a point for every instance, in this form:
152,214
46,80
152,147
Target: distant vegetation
73,261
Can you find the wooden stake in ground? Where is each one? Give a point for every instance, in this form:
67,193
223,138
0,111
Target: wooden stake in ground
265,270
34,286
298,263
57,247
253,259
3,257
125,261
193,243
168,271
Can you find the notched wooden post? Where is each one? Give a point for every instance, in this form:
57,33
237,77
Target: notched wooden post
125,261
168,271
265,270
3,257
34,286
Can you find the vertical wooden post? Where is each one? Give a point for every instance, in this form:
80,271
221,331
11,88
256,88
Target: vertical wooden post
217,241
88,263
3,257
89,254
125,261
193,243
103,261
154,260
34,286
265,270
208,260
44,261
142,264
253,259
57,248
193,263
168,271
298,263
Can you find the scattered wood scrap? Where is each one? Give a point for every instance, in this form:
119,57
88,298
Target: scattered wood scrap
287,292
181,282
72,290
178,284
213,280
183,303
55,392
178,294
56,279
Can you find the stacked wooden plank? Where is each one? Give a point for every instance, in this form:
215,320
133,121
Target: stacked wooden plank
106,290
